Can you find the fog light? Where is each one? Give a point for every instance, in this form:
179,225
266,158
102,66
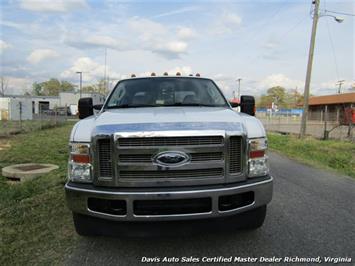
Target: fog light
80,172
258,167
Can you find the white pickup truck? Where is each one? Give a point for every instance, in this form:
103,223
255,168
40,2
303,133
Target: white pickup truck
167,148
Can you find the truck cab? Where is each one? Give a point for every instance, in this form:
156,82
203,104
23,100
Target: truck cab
166,148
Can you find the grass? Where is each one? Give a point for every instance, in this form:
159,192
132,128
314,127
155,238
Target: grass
8,128
330,154
35,225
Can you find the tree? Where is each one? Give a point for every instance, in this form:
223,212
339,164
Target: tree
282,98
294,98
99,87
3,85
51,87
278,95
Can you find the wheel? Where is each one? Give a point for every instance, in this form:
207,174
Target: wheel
85,225
252,219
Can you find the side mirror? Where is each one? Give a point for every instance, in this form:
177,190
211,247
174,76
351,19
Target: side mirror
247,104
234,104
85,107
98,106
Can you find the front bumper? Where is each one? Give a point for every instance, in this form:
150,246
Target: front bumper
78,194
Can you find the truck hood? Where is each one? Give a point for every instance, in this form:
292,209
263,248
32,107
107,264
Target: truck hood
166,118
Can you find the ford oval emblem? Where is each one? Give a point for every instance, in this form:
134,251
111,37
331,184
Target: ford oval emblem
171,158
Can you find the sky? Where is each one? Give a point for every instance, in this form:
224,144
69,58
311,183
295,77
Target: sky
265,43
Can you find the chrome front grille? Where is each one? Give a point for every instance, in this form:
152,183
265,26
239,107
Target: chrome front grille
135,164
104,148
196,173
127,160
235,154
147,158
171,141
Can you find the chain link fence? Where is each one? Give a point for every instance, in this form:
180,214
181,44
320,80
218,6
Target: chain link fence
318,125
42,120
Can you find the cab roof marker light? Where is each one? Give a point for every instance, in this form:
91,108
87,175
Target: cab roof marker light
133,75
178,74
165,74
198,75
153,74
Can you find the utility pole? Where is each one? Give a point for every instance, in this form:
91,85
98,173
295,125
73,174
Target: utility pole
309,68
81,82
239,79
340,83
105,78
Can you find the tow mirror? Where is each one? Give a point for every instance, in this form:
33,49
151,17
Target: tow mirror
98,106
234,104
85,107
247,104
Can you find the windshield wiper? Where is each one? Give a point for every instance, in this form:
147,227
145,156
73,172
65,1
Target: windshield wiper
192,104
129,106
162,105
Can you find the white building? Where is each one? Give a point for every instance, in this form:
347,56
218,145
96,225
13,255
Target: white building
40,104
72,98
15,109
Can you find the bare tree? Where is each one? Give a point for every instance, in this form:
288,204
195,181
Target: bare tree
3,85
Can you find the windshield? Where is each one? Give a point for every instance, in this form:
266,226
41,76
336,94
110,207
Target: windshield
152,92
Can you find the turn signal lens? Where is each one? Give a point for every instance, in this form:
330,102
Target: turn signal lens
80,158
257,162
256,154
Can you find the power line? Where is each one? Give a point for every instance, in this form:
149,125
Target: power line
340,13
333,50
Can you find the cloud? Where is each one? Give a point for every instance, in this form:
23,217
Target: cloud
226,23
11,24
148,29
96,41
52,5
232,19
39,55
177,11
18,85
92,71
185,33
159,39
171,49
331,87
280,80
270,45
3,46
184,70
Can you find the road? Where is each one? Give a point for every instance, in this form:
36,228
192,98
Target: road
312,214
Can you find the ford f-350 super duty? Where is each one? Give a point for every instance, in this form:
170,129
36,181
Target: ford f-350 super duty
166,148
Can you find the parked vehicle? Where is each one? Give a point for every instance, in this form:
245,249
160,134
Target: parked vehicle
167,148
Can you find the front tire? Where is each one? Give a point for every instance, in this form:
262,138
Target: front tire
250,220
85,225
253,219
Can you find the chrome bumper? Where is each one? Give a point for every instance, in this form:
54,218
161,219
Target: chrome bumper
77,199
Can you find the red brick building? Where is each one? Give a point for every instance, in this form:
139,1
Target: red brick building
331,107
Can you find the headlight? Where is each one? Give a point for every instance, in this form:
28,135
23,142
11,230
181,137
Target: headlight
258,161
80,168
